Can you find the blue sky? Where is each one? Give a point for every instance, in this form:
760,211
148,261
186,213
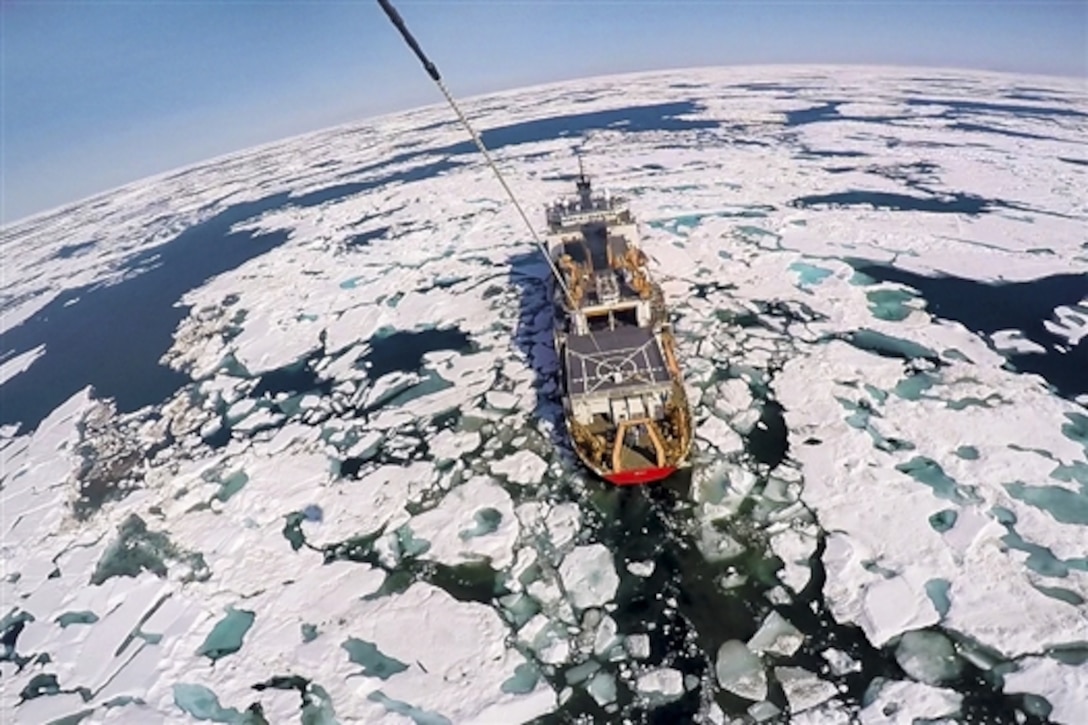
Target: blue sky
99,93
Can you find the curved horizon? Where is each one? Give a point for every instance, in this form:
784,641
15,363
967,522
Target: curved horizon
97,95
440,105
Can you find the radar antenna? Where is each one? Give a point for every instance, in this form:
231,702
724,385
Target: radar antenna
432,71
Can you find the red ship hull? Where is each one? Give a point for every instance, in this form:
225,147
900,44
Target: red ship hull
639,476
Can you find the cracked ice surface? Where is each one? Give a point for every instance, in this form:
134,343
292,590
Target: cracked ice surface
355,492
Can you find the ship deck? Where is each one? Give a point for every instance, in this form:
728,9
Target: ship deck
593,248
592,361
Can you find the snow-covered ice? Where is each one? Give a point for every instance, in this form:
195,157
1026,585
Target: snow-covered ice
348,498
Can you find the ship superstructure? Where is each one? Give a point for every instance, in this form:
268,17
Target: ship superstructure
623,394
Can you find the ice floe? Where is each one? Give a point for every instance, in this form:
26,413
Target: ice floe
350,499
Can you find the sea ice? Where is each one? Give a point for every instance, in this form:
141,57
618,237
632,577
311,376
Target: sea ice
523,467
664,683
13,366
563,522
641,568
905,703
606,638
795,548
777,636
928,657
473,521
589,576
602,687
501,401
227,522
1014,341
637,645
804,690
1063,684
740,671
717,432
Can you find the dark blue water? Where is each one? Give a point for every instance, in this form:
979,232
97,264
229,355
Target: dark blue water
959,203
652,117
937,81
768,442
890,346
113,336
74,250
1009,133
293,379
633,119
365,238
827,112
958,109
1041,95
829,154
761,87
985,308
404,351
349,189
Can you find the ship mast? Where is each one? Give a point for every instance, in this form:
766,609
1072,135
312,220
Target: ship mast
585,191
432,71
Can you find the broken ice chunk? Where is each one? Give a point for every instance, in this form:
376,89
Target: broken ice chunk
501,401
776,635
388,387
546,638
602,688
717,432
928,657
524,467
449,445
579,673
894,605
606,637
662,684
641,568
905,703
763,711
795,548
804,690
840,662
716,545
563,522
589,576
740,671
638,646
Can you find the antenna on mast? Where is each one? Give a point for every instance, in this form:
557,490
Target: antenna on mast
432,71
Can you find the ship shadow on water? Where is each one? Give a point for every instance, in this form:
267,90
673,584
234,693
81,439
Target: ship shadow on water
678,606
686,602
529,278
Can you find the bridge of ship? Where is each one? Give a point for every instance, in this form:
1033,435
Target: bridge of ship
594,250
